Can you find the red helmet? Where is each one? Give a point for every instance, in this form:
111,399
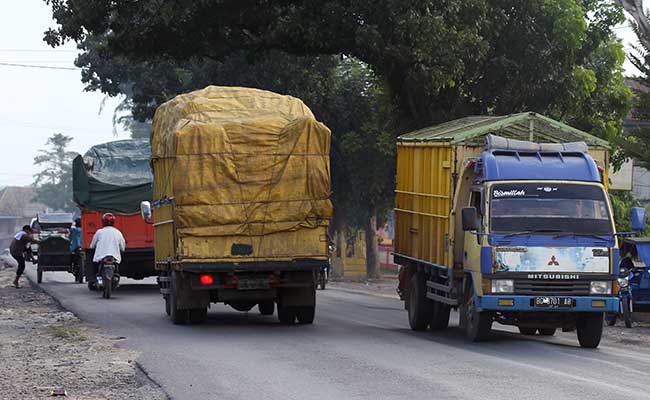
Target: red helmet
108,219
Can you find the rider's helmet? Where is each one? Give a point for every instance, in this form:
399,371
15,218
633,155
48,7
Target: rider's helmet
108,219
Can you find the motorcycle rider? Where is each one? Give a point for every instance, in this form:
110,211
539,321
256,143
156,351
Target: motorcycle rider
107,241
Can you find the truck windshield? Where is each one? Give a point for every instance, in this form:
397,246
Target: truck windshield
520,207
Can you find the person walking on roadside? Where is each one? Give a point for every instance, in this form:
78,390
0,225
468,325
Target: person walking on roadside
18,249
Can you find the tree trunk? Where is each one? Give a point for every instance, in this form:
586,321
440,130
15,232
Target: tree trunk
372,244
636,11
337,229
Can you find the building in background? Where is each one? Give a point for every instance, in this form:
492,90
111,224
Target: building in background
17,208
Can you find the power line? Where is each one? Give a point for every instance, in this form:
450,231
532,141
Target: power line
40,66
38,51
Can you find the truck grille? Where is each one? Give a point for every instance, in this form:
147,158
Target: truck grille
553,288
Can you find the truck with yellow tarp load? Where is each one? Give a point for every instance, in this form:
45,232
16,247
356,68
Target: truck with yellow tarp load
241,199
508,220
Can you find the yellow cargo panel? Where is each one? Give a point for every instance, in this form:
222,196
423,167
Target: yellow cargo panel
240,167
423,200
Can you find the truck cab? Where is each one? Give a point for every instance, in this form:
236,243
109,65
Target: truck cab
538,240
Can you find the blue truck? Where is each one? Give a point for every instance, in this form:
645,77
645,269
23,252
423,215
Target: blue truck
506,230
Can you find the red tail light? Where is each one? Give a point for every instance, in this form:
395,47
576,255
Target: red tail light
206,280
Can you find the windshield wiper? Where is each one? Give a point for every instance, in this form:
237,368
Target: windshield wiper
574,234
532,231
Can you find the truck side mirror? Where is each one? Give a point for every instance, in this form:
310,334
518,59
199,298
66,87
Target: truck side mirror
145,212
638,219
469,218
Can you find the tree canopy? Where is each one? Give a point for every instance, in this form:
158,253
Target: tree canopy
438,59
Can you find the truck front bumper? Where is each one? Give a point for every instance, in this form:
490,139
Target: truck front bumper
526,303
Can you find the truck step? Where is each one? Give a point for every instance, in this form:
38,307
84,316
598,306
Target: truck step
438,286
442,299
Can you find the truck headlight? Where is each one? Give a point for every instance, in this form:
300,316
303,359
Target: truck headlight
600,287
503,286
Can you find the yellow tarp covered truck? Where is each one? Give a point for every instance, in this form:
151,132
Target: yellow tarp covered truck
241,199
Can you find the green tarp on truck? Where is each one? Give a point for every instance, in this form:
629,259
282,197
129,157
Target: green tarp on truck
113,177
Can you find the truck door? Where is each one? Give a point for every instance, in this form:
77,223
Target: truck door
473,242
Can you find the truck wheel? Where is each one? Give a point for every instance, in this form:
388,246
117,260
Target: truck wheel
420,310
590,329
286,315
177,316
546,331
198,315
610,319
266,307
78,276
627,313
39,275
477,324
167,306
440,318
306,315
528,331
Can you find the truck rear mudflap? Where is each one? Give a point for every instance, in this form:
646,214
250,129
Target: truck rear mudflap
547,303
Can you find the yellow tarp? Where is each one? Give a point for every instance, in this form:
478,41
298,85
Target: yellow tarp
241,161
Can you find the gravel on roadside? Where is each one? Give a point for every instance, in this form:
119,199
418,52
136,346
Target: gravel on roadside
45,348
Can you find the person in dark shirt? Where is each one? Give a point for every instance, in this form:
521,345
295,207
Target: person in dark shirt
18,248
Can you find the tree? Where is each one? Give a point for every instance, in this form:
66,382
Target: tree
636,142
439,60
53,183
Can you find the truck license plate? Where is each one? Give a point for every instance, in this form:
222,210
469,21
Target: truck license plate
253,283
554,302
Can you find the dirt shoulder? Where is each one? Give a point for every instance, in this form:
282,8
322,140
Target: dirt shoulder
385,287
46,348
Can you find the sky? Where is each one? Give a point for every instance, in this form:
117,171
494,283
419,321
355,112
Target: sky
36,102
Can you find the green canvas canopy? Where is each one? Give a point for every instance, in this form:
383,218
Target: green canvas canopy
113,177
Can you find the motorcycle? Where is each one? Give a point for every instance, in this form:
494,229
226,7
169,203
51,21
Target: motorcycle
625,298
108,277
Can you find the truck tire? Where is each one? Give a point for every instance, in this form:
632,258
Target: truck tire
420,310
305,315
286,315
590,329
477,324
178,317
526,330
198,315
167,306
266,307
39,275
440,318
627,312
546,331
610,319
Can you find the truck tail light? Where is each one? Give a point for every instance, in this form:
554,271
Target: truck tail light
206,279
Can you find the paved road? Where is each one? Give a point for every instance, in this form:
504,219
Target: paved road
359,348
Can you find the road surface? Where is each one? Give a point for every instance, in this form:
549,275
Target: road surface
360,347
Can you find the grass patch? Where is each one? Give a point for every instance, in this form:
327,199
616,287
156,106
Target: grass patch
67,333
